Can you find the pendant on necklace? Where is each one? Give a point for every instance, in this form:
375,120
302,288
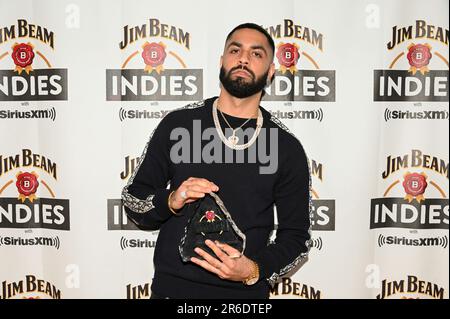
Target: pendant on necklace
233,139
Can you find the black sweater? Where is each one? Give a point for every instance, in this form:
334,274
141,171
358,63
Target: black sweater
248,195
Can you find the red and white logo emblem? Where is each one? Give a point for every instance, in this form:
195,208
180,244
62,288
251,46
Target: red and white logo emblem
419,56
23,56
287,55
27,185
415,185
154,55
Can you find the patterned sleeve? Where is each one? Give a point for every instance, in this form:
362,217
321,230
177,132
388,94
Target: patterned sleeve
145,195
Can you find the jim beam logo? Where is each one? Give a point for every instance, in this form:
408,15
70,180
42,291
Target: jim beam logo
289,289
418,70
413,198
299,75
138,292
29,288
26,70
154,67
411,288
27,199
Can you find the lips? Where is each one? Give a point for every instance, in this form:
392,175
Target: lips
242,73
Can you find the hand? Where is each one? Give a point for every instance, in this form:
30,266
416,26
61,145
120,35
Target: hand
231,264
190,190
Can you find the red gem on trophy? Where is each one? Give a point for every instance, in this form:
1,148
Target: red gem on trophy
23,56
415,185
210,216
419,56
154,55
287,55
27,185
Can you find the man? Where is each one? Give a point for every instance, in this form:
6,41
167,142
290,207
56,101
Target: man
248,191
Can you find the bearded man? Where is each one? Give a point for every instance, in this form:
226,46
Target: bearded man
248,159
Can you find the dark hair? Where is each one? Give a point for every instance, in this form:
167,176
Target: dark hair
257,28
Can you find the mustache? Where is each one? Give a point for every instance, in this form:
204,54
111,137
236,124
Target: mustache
242,67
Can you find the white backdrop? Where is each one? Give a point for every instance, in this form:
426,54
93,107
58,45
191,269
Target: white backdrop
66,237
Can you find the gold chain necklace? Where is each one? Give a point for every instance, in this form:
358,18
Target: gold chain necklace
233,139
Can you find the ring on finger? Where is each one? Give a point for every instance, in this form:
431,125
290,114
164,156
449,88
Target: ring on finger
183,194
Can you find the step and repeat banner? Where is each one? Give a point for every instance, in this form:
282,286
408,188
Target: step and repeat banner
362,84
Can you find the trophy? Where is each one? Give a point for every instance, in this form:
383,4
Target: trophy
210,220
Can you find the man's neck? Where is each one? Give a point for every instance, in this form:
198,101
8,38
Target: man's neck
244,108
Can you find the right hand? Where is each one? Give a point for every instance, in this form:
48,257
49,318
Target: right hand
194,188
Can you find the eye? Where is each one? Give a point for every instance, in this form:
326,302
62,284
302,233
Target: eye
257,54
234,50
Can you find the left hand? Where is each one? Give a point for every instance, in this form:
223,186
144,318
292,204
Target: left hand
231,264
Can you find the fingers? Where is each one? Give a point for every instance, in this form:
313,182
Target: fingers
210,259
190,190
231,252
194,194
204,264
226,268
182,196
194,187
198,188
202,183
219,253
210,263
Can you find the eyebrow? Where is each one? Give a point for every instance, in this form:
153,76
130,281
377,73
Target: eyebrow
239,45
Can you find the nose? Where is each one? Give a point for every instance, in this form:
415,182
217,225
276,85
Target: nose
243,57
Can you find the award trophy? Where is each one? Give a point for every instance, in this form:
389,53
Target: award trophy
210,220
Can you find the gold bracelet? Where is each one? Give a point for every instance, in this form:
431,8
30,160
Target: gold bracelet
168,203
254,276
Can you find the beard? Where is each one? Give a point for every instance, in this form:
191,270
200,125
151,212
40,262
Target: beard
239,87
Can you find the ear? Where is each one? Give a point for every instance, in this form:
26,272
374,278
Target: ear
271,72
221,60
